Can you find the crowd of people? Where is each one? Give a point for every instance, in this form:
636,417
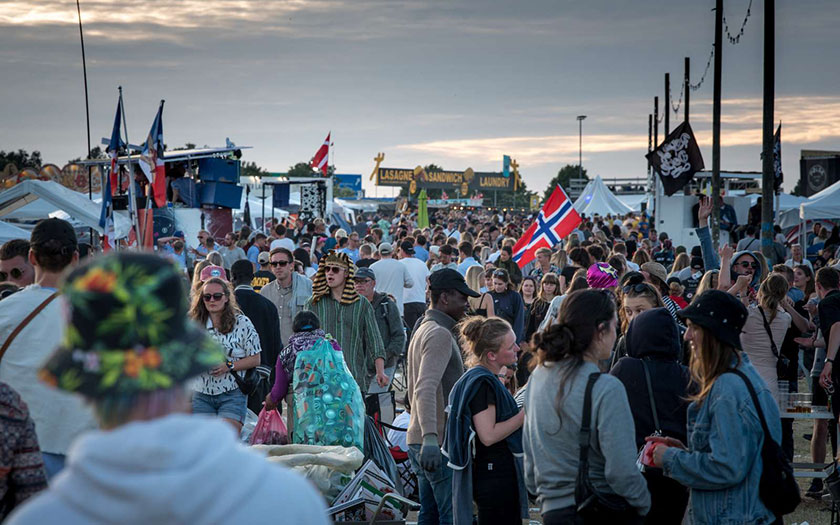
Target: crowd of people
614,378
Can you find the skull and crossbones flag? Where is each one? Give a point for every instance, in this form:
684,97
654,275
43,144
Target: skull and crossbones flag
677,159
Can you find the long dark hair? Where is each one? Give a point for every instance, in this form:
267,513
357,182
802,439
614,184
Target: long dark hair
583,315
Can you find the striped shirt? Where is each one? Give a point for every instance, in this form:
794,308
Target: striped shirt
354,327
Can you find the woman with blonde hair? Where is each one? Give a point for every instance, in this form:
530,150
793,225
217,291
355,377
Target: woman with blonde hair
482,306
641,257
549,289
217,392
492,477
765,329
680,262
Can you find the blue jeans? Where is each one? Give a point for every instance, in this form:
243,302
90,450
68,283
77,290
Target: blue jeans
230,405
435,490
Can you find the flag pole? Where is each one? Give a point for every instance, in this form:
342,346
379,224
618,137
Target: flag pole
132,191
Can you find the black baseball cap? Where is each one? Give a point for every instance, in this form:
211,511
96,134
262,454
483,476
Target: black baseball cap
696,262
407,247
54,234
449,279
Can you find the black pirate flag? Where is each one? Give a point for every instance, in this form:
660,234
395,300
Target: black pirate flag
677,159
777,159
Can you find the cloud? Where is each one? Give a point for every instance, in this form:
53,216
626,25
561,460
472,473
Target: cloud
805,120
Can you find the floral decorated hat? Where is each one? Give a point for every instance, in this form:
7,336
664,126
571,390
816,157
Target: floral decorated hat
128,330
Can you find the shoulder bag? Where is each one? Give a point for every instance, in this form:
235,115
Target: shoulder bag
593,506
777,488
657,428
782,362
26,320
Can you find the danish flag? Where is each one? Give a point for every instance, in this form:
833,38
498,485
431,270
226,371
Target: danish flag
321,159
556,220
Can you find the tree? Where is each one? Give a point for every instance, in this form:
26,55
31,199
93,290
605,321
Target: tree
799,189
95,153
564,177
250,169
304,169
21,159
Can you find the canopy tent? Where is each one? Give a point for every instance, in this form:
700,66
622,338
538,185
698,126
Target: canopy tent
60,198
9,232
822,205
596,198
634,200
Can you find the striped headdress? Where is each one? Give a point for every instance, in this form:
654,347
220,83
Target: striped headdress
319,280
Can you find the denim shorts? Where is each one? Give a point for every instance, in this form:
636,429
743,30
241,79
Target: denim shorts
231,405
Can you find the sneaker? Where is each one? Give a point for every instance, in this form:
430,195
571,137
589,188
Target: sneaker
816,489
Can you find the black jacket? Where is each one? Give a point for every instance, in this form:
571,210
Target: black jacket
653,336
263,315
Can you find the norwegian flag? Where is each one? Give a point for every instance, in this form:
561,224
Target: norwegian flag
556,220
151,159
321,159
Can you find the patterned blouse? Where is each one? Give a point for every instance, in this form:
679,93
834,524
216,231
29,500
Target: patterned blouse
240,342
22,472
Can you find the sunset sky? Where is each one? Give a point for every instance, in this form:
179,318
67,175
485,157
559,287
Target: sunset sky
458,83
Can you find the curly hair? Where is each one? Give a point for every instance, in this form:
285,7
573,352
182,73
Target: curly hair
198,310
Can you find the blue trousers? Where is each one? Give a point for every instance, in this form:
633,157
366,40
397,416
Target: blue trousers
435,490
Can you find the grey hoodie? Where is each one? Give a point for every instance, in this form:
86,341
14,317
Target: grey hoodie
551,448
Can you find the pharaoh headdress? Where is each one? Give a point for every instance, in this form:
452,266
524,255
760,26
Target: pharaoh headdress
319,280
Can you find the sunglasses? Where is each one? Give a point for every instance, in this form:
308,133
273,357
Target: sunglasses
14,273
747,264
499,273
213,296
279,263
638,288
333,269
362,281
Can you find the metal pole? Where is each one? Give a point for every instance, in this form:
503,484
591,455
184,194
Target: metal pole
132,191
687,85
667,105
715,222
656,183
767,171
263,204
650,175
87,109
580,146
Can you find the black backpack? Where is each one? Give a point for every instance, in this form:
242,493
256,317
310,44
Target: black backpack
777,488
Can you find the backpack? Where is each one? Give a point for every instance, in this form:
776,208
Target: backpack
777,488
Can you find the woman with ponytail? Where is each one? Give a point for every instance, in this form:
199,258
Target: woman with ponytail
481,407
567,354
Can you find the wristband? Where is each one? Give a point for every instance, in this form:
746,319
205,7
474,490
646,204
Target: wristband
230,365
829,361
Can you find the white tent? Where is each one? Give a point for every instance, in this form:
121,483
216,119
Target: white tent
822,205
9,232
73,203
596,198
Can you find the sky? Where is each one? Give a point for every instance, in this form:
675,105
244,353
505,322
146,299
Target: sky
456,83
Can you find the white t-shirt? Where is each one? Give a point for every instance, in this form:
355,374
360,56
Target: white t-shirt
419,272
240,342
391,277
285,242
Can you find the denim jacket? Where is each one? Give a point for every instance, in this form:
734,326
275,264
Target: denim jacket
722,465
707,248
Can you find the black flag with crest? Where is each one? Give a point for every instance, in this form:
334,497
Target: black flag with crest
777,159
677,159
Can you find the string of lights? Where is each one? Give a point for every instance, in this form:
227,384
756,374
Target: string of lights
695,87
676,108
737,38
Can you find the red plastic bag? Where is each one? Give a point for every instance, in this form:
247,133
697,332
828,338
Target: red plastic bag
270,429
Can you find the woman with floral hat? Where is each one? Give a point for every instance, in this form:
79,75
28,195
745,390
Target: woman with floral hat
217,391
130,350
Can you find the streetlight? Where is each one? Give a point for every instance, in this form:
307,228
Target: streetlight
580,145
